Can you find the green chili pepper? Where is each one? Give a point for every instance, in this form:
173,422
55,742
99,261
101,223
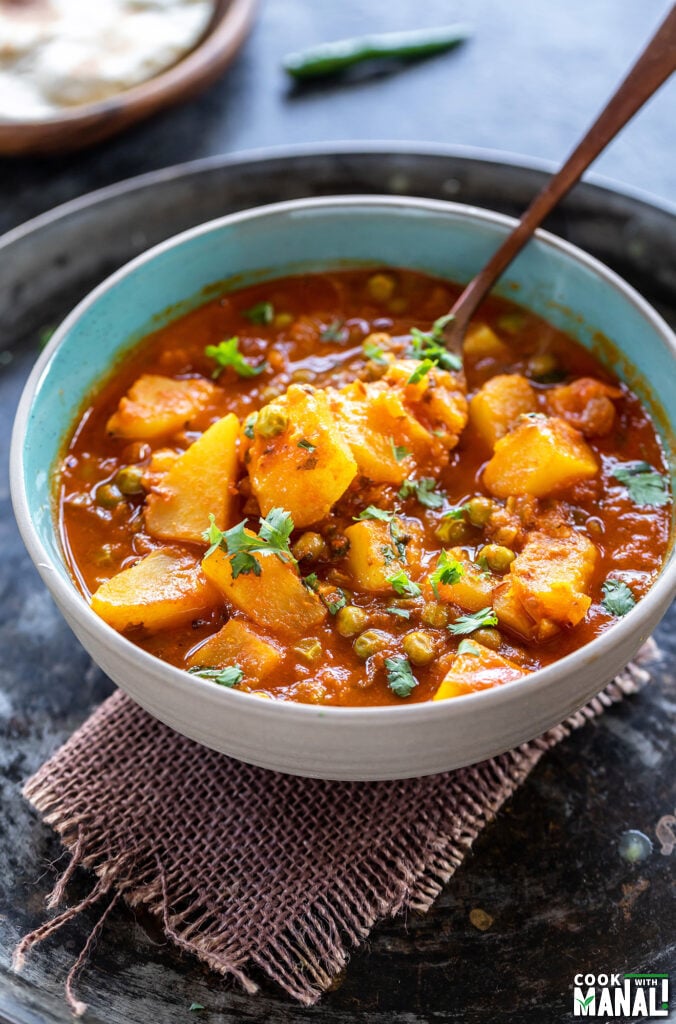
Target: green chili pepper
329,58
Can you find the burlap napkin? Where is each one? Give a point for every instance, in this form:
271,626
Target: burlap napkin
249,867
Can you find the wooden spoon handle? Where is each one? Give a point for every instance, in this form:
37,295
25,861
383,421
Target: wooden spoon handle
653,67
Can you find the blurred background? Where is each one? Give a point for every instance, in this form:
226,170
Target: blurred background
529,81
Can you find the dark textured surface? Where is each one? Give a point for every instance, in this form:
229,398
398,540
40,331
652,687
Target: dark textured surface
548,870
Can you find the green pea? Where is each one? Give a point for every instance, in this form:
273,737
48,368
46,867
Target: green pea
129,480
496,557
434,614
452,531
351,620
419,647
370,642
479,510
108,496
271,422
488,637
309,547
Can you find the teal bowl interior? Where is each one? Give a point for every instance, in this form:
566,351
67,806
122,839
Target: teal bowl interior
560,283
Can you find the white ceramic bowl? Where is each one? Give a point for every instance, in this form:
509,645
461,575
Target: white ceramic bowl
551,277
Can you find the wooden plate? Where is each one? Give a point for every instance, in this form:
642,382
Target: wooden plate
77,127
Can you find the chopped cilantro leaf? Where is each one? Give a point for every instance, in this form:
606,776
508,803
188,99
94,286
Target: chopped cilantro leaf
477,620
227,353
468,647
448,571
195,1006
424,490
402,613
311,581
374,352
334,600
618,597
455,513
308,445
261,313
229,676
388,554
645,485
430,345
240,543
372,512
249,426
399,540
400,678
402,585
335,331
421,371
400,452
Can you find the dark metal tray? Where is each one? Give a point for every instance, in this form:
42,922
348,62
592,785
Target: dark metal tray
548,870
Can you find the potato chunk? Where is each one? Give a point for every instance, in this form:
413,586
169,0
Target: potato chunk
552,576
158,406
513,616
199,482
276,600
373,419
165,590
476,668
481,342
496,407
237,644
540,456
307,466
373,555
437,400
473,590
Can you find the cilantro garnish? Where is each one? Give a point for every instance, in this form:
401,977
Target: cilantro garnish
645,485
334,600
229,676
469,647
403,613
195,1006
425,490
372,512
308,445
402,585
261,313
430,345
455,513
421,371
227,353
448,571
374,352
311,581
400,452
618,597
335,331
478,620
399,540
273,537
249,426
400,678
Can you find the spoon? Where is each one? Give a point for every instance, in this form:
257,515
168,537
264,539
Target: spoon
651,70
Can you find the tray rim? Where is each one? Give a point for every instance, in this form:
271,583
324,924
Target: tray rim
175,172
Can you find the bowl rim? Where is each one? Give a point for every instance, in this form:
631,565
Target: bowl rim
69,597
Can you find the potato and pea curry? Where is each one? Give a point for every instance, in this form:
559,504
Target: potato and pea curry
296,490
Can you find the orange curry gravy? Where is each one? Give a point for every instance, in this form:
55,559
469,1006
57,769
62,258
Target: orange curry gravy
103,537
